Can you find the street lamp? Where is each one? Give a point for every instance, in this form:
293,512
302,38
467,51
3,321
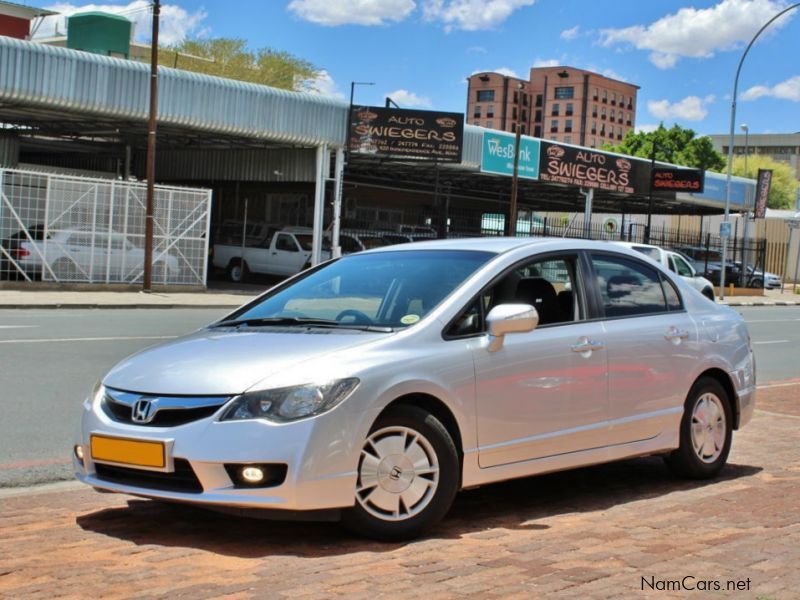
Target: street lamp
512,217
746,130
730,145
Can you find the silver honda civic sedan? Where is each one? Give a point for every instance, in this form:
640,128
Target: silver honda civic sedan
373,387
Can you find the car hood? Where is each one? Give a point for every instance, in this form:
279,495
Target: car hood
225,361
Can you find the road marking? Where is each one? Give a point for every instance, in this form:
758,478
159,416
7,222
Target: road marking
90,339
18,326
773,342
777,385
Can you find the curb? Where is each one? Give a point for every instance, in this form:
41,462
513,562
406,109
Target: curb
775,303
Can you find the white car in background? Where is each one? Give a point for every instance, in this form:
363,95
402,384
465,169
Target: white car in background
87,256
675,262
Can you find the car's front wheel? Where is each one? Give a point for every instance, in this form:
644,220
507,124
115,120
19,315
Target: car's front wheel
408,476
706,432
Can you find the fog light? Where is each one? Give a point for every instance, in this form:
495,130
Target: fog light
252,475
79,452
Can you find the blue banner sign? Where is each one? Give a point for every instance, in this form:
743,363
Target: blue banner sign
497,155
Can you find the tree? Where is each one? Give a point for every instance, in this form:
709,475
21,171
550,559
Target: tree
783,189
676,145
231,58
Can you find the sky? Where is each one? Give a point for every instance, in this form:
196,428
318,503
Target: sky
682,53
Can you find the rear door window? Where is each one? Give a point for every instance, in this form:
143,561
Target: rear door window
626,287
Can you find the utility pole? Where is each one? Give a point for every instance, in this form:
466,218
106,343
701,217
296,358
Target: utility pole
151,153
512,210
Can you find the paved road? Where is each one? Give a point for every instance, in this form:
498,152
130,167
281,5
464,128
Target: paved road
623,530
51,358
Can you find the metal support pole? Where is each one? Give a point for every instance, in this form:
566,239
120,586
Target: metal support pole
151,152
337,203
796,266
323,163
512,209
731,141
786,261
650,201
587,212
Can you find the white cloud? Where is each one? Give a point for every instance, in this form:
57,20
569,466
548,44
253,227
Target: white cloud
691,108
175,24
323,85
571,34
697,33
786,90
352,12
471,15
546,62
508,72
477,50
646,128
405,98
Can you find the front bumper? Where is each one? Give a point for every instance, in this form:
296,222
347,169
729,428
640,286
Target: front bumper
321,463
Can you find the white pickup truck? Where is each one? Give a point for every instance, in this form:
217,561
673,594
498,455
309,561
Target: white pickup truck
676,263
282,252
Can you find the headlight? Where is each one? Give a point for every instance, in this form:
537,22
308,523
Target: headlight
290,403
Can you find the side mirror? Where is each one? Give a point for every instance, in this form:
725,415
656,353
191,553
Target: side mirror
509,318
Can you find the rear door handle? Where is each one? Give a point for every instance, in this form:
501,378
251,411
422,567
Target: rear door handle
675,335
586,346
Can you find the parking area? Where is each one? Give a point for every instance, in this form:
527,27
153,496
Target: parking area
617,530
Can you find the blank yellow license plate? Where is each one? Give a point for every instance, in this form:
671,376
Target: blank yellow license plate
129,452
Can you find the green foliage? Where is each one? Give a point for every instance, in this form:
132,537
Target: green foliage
783,189
676,145
231,58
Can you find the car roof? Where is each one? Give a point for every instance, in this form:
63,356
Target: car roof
500,245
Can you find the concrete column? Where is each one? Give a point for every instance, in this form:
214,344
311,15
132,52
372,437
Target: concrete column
323,164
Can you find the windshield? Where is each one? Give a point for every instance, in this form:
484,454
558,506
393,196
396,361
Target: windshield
388,289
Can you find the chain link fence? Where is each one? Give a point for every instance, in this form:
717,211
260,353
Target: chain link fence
64,229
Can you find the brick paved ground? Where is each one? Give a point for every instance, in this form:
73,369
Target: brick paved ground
592,533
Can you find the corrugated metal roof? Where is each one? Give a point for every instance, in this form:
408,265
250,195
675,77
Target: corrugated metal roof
80,83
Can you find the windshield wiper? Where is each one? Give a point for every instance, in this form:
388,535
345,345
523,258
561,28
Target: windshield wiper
301,321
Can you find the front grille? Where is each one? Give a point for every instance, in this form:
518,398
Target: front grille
183,479
122,412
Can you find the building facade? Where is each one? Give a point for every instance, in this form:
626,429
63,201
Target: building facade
783,147
560,103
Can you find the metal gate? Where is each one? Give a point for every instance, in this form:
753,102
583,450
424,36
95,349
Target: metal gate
73,229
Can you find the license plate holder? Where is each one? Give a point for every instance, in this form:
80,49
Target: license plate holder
154,455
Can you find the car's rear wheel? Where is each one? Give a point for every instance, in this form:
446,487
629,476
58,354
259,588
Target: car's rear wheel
66,270
408,476
757,283
706,432
237,271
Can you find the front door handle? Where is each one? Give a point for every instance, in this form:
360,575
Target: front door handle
586,346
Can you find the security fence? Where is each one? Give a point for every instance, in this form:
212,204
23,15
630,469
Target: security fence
72,229
745,259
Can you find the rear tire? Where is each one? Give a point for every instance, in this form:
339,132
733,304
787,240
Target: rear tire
706,432
237,271
408,476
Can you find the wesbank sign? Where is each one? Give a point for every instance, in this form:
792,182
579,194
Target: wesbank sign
497,155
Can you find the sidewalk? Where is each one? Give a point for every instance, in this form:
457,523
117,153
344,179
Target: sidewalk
228,297
123,299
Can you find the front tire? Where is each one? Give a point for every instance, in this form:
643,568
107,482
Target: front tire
408,476
706,432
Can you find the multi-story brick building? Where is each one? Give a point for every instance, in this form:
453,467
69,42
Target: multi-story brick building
558,103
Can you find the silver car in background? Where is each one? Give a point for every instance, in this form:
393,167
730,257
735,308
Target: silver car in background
375,386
